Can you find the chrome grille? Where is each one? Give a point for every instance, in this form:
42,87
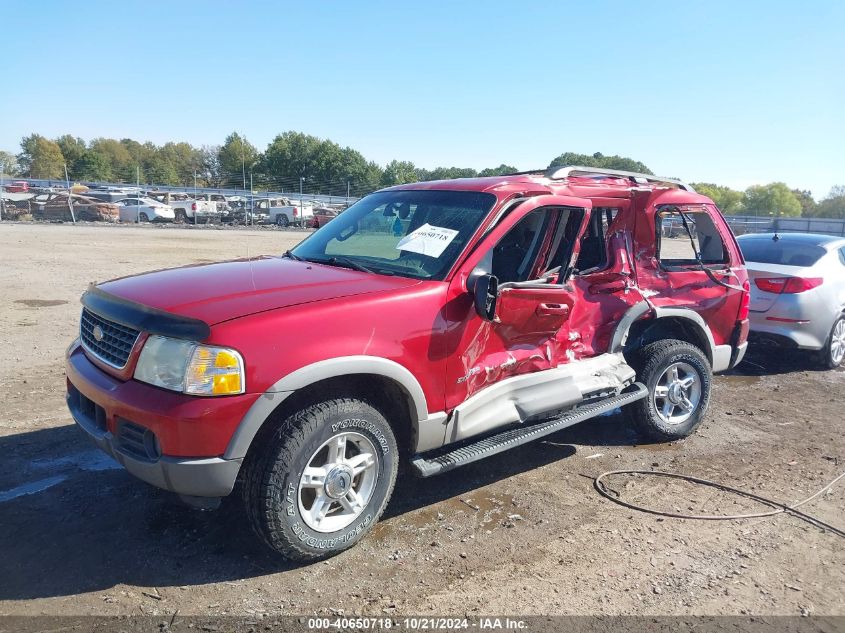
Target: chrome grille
115,341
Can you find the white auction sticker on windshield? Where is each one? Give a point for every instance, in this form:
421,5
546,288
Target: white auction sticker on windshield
427,240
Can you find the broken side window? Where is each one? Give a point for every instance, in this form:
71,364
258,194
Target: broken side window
684,231
593,254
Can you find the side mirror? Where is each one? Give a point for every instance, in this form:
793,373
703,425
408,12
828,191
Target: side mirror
485,293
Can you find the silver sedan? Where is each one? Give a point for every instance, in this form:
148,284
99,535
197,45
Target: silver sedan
798,292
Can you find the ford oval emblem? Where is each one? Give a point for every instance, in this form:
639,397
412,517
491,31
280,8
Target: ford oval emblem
98,333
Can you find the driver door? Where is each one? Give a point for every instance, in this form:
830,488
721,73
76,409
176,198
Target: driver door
531,253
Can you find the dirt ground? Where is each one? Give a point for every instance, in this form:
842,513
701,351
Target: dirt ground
521,533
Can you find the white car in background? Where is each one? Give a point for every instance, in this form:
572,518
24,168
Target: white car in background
797,292
145,210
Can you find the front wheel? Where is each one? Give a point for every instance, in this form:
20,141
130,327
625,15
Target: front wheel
322,479
832,354
678,378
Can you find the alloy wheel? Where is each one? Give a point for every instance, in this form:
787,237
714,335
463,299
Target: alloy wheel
338,482
837,343
677,393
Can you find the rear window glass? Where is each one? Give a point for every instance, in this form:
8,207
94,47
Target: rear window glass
780,252
678,247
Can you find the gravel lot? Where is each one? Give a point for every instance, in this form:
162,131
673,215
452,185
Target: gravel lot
522,533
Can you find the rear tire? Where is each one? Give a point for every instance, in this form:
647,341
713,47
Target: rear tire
678,378
321,479
282,220
832,355
181,217
142,217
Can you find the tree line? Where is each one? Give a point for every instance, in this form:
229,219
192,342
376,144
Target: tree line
294,161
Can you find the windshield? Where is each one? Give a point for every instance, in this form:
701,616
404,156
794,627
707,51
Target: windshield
783,252
416,234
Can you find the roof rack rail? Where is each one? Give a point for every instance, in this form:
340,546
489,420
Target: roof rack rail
559,173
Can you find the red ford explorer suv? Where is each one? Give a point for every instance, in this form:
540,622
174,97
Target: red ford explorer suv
455,320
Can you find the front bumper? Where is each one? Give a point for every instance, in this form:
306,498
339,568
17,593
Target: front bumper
104,408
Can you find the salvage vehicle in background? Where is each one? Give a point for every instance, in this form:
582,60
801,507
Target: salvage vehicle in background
17,186
145,210
218,199
186,209
798,292
58,208
323,216
284,212
478,315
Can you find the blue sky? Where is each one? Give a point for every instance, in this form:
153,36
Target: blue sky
736,93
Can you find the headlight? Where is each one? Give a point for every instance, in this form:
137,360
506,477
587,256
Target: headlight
190,367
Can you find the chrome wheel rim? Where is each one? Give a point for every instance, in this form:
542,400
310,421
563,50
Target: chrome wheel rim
677,393
338,482
837,342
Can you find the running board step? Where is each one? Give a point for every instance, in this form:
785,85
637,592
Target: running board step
495,444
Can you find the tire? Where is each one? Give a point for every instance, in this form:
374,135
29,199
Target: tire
676,414
832,355
181,217
283,501
142,217
282,220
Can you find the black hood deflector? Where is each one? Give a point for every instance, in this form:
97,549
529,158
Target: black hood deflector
144,318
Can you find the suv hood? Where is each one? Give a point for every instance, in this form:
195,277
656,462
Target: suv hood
227,290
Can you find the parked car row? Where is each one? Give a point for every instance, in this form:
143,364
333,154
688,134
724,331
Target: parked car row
135,204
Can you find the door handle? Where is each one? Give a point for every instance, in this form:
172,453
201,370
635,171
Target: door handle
556,309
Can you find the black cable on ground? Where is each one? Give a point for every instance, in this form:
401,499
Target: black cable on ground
779,508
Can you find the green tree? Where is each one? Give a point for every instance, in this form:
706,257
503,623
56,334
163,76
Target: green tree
117,156
320,166
447,173
184,159
728,200
600,160
237,156
501,170
8,164
210,171
808,204
399,172
833,206
93,166
361,175
41,157
773,199
73,149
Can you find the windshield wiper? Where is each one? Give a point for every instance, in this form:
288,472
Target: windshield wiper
289,254
348,263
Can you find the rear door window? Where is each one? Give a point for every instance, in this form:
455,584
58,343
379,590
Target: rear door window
684,231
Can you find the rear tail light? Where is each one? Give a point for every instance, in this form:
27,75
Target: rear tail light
746,301
295,212
787,285
194,206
